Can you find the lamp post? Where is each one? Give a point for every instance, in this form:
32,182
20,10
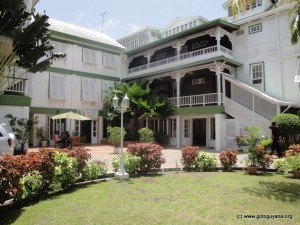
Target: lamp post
121,174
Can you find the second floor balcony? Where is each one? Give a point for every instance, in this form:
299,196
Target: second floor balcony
187,50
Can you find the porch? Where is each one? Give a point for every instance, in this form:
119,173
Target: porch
195,100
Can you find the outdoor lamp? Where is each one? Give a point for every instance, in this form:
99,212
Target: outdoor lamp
115,102
125,102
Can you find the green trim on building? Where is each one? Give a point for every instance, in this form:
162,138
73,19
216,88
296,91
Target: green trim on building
82,74
86,42
210,24
39,110
200,63
14,100
199,110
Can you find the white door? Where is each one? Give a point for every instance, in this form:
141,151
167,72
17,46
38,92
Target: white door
94,132
231,131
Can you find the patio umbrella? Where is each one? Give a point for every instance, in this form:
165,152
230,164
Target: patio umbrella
70,115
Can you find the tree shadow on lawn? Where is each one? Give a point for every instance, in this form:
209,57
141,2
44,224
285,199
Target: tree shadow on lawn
281,191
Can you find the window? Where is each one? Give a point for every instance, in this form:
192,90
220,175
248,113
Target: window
255,28
59,47
160,56
190,24
174,30
182,28
170,32
172,128
212,128
187,131
177,29
198,81
199,44
229,11
57,86
88,55
167,33
257,73
194,23
240,32
109,60
89,90
185,26
105,88
94,127
184,49
297,77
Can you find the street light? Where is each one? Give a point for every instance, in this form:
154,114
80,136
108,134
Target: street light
121,174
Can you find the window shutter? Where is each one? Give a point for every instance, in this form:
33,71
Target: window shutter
297,77
93,94
89,90
57,86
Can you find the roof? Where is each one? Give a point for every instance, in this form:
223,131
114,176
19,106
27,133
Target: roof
184,18
205,26
81,32
139,31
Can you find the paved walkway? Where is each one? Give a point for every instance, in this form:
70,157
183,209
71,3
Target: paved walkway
172,155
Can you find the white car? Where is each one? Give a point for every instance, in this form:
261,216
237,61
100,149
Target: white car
7,141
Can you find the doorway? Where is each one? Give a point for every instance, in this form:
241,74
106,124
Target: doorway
85,130
199,132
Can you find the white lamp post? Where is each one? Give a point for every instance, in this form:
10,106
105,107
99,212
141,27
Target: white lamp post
121,174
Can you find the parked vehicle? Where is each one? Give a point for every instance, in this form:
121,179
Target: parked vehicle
7,141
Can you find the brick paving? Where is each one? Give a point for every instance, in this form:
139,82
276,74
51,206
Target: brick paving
105,153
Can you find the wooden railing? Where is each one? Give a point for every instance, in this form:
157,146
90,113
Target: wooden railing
192,100
188,55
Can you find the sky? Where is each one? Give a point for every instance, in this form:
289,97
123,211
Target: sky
119,18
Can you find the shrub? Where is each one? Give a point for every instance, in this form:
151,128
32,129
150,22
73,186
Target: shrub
206,162
291,163
10,175
151,156
146,135
31,184
64,172
278,164
289,126
93,170
228,159
114,137
189,156
292,150
131,163
161,138
242,140
81,155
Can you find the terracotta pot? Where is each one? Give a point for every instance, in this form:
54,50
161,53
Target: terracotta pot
252,170
296,174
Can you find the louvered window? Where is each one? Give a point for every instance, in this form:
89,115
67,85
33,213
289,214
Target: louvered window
257,73
57,86
59,47
105,88
297,77
89,90
109,60
89,55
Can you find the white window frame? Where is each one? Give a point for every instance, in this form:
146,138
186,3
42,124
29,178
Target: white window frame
89,92
297,77
109,60
172,127
89,55
187,128
57,89
255,28
105,88
59,47
257,72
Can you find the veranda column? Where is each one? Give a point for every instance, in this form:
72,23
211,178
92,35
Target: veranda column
218,37
178,137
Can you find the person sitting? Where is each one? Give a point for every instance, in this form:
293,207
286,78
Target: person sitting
67,141
57,139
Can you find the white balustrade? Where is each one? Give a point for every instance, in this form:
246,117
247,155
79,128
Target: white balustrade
192,100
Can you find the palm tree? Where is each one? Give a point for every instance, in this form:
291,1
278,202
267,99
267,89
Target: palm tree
24,41
294,14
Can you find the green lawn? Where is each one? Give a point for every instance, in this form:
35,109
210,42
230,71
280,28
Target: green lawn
171,198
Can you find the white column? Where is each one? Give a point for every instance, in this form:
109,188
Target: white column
178,137
218,73
220,132
218,37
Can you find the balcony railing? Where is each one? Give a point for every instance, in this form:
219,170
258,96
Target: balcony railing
188,55
12,84
192,100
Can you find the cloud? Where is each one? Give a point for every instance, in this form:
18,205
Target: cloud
111,24
80,15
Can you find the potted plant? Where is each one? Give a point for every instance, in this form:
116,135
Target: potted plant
23,129
42,136
114,137
243,142
292,164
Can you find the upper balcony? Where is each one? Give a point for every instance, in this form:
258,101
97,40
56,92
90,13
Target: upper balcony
182,50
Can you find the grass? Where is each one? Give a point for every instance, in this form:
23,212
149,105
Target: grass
171,198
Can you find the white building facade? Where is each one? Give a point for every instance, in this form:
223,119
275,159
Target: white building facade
220,75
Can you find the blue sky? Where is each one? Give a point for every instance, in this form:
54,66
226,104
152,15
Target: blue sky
126,16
